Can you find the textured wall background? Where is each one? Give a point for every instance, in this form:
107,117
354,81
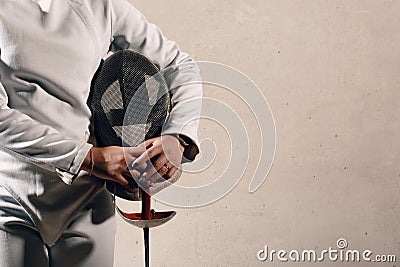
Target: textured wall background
329,70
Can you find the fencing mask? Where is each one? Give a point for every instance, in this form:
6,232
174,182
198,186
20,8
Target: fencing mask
130,102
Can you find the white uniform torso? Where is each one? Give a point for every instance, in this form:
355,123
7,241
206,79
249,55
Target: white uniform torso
49,53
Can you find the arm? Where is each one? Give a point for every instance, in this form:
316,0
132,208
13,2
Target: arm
130,29
36,143
42,145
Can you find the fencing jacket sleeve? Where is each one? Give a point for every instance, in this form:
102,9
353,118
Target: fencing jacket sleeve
180,71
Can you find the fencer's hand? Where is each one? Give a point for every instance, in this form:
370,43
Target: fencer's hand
165,153
109,163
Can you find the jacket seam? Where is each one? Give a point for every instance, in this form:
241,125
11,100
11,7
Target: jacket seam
85,21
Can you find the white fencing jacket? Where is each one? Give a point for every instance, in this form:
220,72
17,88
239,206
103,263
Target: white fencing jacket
49,52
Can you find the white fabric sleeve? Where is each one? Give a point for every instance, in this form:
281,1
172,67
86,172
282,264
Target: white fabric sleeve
179,69
39,144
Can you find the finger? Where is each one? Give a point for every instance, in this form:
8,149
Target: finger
158,166
155,178
143,166
134,166
173,152
150,153
163,171
131,172
158,178
121,180
143,182
139,161
128,161
171,172
148,143
128,157
135,150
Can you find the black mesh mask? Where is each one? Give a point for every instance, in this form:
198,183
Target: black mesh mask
130,102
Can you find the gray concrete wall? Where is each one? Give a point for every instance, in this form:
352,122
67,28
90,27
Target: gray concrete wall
329,70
